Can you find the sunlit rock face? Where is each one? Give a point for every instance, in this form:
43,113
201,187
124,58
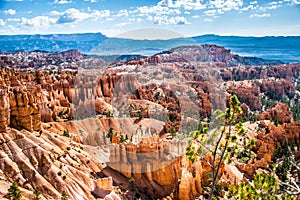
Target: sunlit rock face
279,111
29,99
4,110
67,130
50,162
18,102
266,144
247,92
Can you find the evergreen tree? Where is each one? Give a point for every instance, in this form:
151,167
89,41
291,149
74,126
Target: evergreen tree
262,187
221,144
64,196
110,134
37,194
14,191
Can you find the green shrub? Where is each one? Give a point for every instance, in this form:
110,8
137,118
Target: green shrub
14,191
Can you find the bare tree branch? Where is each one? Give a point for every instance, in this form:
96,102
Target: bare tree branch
208,163
294,186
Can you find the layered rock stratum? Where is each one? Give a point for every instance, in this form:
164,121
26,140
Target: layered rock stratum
118,131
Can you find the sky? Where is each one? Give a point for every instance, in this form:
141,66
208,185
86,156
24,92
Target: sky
124,18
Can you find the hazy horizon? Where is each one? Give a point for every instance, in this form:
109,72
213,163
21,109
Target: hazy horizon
124,36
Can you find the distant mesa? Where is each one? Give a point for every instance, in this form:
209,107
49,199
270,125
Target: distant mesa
196,55
69,54
211,53
285,49
51,42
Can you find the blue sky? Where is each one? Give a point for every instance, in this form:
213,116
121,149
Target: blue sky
187,17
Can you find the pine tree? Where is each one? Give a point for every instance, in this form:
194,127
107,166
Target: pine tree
14,192
37,194
64,196
263,186
225,147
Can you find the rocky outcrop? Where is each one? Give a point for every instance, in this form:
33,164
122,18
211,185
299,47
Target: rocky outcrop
140,154
142,61
25,112
276,89
35,97
52,163
19,107
189,186
279,111
147,161
266,144
247,93
70,54
285,71
210,53
4,111
217,56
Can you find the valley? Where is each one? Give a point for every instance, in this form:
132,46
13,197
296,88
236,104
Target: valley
120,128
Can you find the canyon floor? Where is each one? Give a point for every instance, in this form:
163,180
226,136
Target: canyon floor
92,129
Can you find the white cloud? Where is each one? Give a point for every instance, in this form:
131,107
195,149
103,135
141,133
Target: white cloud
207,20
135,19
13,19
165,20
73,15
139,19
9,12
195,16
99,14
186,4
260,15
226,5
54,12
292,1
122,24
92,1
249,7
122,13
2,22
272,7
253,2
158,10
38,21
210,12
170,7
62,1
